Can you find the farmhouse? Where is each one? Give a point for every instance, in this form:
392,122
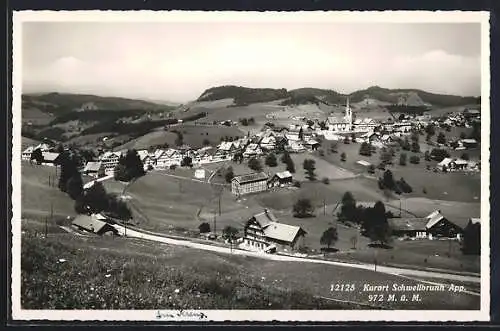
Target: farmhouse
110,161
95,223
268,143
252,150
50,158
295,147
281,179
365,125
226,147
249,183
167,158
469,143
94,169
435,225
26,154
451,164
263,232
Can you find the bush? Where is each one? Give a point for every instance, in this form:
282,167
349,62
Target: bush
325,180
204,227
296,184
303,208
414,159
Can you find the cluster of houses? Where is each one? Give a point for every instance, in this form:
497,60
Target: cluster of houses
457,164
49,155
433,226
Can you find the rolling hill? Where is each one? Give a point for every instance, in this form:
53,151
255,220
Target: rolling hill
410,97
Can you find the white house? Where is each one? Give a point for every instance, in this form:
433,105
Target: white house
252,150
26,154
364,125
168,158
295,147
268,143
110,161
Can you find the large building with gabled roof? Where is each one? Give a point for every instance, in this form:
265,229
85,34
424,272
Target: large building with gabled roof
249,183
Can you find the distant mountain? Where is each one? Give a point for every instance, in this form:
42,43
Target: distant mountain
411,97
406,97
243,95
57,103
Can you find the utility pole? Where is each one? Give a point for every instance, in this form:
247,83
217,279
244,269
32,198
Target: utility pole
215,224
399,207
220,195
324,207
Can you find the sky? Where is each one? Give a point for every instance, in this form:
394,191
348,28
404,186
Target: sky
177,61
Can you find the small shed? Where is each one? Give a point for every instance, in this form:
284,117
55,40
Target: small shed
281,179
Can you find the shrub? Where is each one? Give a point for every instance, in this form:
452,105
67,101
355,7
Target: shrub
414,159
325,180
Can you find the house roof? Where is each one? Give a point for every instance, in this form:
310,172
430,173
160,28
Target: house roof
268,140
49,156
264,218
446,161
143,154
475,220
225,145
282,232
364,163
433,218
30,149
284,174
469,141
337,120
312,142
408,224
92,166
92,223
253,177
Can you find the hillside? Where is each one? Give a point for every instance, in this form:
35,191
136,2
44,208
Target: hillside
409,97
56,103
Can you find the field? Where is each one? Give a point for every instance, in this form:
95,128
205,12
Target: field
107,273
36,116
323,168
26,142
37,196
193,136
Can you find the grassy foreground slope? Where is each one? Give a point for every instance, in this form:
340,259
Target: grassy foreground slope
68,272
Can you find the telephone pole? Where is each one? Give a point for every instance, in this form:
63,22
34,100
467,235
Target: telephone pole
324,207
215,224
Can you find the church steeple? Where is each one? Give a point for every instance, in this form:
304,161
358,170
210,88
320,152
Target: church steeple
348,112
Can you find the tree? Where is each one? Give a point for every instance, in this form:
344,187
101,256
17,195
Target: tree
303,208
68,170
388,180
415,147
476,131
254,164
96,198
471,244
376,223
465,156
75,186
439,154
329,237
462,135
441,139
309,166
204,227
37,155
365,149
333,147
129,167
238,157
427,156
301,134
187,161
118,208
348,210
285,157
271,160
206,142
371,169
230,234
430,130
343,157
405,144
414,159
386,156
229,175
346,140
290,166
179,141
402,159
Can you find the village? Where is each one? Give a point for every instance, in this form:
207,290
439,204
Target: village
235,166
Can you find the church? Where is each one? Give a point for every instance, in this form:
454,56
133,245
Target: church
341,124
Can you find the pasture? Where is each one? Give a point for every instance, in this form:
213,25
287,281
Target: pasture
182,278
39,192
323,168
193,136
